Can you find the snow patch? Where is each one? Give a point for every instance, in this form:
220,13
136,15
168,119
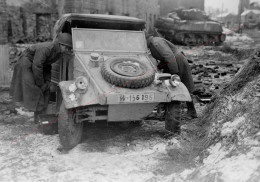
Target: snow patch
251,141
239,38
229,127
216,154
237,168
161,147
24,113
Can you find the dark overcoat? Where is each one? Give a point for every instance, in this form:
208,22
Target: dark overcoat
31,72
172,60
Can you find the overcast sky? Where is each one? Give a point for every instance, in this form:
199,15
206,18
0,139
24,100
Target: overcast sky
231,5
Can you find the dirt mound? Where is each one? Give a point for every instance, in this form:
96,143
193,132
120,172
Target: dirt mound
230,131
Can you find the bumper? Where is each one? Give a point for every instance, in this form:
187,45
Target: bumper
148,95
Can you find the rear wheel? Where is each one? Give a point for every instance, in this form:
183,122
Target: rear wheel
70,132
173,116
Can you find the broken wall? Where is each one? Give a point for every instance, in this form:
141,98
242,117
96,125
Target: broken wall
31,21
3,24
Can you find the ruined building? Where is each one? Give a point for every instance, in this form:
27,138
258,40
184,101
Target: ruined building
29,21
3,24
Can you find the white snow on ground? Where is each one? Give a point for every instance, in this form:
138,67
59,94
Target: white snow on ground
36,158
235,38
24,113
228,31
239,38
230,127
236,155
116,158
220,165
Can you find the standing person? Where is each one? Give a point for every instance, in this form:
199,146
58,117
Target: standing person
32,73
174,62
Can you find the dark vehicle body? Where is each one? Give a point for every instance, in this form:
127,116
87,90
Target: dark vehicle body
190,27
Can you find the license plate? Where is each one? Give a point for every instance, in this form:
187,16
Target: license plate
136,97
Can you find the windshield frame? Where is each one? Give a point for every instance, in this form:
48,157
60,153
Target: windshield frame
145,48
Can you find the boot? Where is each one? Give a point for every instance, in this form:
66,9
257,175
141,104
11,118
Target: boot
191,110
36,117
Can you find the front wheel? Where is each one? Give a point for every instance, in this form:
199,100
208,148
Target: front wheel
70,132
173,116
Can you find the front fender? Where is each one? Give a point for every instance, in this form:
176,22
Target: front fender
180,93
76,98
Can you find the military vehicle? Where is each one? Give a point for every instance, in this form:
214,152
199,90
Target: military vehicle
190,27
110,78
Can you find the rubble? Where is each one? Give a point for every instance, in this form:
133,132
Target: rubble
228,133
242,41
211,70
239,39
213,67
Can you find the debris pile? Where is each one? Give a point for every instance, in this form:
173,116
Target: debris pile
211,70
228,133
236,39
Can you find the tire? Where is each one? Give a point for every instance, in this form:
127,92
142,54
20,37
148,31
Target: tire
127,73
49,130
173,116
70,133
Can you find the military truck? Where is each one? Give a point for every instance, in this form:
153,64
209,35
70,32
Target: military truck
190,27
110,77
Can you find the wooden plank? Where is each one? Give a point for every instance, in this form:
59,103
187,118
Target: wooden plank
5,74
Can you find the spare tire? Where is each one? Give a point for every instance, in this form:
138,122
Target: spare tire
127,72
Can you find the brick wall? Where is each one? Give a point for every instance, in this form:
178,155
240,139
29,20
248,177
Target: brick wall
15,22
4,23
31,21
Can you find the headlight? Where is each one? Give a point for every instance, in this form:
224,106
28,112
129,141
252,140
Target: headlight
77,88
175,81
82,83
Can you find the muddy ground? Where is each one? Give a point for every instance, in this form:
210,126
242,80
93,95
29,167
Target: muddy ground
107,153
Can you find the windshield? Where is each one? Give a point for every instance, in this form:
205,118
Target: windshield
108,40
